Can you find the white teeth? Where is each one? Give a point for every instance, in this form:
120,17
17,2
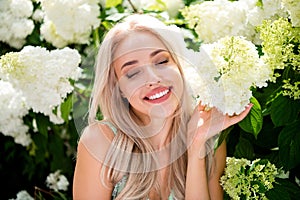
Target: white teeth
159,95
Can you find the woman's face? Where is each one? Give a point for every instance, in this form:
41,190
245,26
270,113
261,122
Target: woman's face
148,76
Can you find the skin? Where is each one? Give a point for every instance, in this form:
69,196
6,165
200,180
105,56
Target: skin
144,68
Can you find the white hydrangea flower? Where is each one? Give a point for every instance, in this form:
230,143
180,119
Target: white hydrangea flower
293,8
68,22
42,76
255,14
23,195
57,181
15,24
269,8
139,4
38,15
21,8
173,6
13,109
225,72
213,20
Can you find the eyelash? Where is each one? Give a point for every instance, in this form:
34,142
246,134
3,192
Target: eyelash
132,75
163,62
129,76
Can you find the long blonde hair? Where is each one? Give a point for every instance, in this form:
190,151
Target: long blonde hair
129,154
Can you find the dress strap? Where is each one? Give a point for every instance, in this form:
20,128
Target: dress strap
110,125
119,187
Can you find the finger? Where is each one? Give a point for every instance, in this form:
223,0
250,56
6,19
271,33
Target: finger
207,108
237,118
201,107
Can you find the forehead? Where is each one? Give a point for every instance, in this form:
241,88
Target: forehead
138,42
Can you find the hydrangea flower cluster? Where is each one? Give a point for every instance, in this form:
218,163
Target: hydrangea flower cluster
213,20
23,195
281,49
15,24
278,46
69,22
226,71
42,76
171,6
291,89
293,8
247,179
57,181
13,109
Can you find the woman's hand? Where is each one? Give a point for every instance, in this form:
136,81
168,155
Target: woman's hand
206,123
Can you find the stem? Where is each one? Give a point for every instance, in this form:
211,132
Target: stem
133,7
96,38
41,190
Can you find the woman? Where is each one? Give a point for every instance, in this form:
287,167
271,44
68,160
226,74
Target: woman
150,144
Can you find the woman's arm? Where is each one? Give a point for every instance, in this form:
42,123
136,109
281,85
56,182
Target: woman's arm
196,180
87,183
202,126
209,185
214,187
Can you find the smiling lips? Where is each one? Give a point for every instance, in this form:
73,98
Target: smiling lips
158,95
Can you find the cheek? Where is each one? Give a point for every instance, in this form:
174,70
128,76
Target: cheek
175,78
130,88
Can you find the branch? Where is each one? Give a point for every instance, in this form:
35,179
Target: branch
133,7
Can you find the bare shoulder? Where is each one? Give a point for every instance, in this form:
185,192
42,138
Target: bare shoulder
97,138
96,131
88,181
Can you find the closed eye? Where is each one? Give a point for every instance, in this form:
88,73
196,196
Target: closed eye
163,62
131,74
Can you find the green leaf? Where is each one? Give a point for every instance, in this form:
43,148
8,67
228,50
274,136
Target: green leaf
268,136
284,189
244,149
42,123
254,120
41,147
222,137
284,110
278,193
289,145
112,3
290,187
56,147
66,107
107,25
259,3
116,16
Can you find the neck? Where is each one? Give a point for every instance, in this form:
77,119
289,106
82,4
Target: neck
159,129
156,128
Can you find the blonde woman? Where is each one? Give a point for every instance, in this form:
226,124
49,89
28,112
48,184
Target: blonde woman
151,144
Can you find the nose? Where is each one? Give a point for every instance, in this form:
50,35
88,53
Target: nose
153,76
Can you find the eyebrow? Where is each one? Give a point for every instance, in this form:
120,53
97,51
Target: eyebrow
132,62
129,63
156,52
